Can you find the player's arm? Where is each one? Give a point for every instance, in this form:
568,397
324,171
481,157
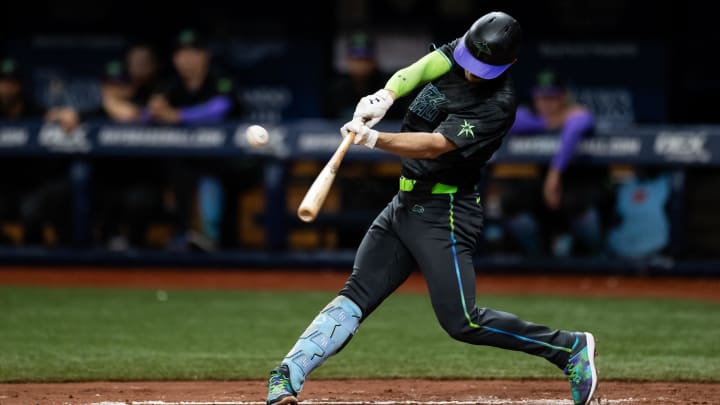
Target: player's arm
372,108
212,110
413,145
459,130
426,69
119,109
216,108
576,125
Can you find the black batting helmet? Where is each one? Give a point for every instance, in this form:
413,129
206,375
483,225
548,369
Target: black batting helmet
490,46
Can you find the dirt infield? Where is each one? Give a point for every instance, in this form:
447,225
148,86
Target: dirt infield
356,392
596,286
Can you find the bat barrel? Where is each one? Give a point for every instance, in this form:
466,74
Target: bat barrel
315,196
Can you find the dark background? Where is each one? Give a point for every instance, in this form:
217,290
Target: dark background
684,30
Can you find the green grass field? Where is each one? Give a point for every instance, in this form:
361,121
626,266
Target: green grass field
49,334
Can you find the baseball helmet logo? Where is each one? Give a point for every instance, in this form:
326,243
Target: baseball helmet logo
482,48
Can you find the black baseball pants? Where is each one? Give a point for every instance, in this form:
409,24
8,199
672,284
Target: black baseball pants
438,234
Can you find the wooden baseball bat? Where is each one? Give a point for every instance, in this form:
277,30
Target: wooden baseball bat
318,191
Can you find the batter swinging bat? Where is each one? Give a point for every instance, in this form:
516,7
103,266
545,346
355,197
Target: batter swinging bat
315,196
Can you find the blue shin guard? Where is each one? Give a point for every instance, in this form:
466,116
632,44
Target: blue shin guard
325,336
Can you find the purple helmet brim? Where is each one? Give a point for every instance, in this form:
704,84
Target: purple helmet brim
480,69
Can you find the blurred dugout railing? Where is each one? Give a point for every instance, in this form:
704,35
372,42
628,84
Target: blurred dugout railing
269,234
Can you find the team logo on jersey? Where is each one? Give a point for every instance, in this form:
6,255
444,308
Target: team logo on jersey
426,104
466,130
482,48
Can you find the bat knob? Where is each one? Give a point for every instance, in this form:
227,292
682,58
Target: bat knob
306,215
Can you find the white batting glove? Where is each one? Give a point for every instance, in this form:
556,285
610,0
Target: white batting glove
371,109
364,135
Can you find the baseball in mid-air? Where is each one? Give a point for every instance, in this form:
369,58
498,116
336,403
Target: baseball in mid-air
257,136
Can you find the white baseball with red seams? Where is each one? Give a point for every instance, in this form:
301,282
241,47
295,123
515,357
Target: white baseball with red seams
257,136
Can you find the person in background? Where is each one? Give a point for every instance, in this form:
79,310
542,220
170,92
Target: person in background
362,76
15,102
138,79
41,196
128,191
570,193
125,91
198,94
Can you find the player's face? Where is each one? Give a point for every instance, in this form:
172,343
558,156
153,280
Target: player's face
191,62
472,78
360,67
549,104
9,90
141,64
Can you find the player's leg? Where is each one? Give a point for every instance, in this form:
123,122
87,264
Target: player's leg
382,263
331,329
442,240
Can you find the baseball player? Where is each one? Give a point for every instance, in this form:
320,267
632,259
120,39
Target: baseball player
451,129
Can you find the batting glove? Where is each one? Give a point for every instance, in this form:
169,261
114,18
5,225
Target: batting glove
364,135
371,109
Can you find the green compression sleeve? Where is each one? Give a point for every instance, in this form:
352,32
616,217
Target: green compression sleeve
427,68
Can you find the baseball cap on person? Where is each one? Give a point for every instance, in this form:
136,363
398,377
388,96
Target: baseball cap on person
548,83
115,72
190,38
9,69
360,45
490,46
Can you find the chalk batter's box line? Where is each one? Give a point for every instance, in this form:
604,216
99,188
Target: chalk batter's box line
478,401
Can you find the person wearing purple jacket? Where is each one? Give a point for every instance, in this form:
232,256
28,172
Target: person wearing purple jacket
197,95
571,193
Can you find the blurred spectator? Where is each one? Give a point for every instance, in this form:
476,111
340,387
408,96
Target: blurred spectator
198,94
39,196
571,194
128,191
362,77
127,88
14,101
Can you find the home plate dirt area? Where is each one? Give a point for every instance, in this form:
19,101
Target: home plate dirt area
357,392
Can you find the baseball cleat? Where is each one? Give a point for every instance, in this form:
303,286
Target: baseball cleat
280,390
581,370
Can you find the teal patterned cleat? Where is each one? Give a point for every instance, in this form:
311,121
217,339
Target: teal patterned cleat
581,370
280,391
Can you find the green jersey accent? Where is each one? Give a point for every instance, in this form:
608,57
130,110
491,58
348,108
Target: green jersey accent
428,68
407,184
440,188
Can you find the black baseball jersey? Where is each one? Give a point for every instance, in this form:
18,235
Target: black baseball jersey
214,85
473,116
